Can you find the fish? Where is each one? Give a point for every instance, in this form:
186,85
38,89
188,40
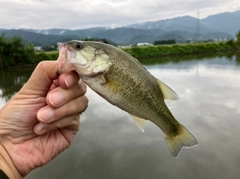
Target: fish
124,82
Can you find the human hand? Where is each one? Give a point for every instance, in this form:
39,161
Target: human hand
41,120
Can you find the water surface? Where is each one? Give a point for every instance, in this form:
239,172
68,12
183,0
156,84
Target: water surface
110,145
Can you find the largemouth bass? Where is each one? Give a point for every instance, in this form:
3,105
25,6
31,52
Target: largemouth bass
123,81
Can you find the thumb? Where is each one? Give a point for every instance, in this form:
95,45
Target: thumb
41,78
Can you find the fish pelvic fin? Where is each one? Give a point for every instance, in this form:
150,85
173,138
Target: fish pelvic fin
168,93
140,122
183,140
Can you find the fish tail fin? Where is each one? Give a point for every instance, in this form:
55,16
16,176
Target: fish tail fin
183,139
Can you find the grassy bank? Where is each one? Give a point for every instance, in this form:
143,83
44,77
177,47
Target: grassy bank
52,55
181,49
165,50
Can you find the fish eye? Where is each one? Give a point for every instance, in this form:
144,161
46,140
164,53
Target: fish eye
78,46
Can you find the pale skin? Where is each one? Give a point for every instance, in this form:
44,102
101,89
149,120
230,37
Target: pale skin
41,120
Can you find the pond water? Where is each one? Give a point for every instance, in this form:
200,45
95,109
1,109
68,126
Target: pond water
109,144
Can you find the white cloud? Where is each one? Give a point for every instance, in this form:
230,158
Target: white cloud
43,14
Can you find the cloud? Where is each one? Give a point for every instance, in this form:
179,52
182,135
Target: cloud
73,14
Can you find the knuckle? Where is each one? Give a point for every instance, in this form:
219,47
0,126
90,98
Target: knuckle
72,108
75,120
84,103
75,107
83,86
79,90
43,64
85,100
79,105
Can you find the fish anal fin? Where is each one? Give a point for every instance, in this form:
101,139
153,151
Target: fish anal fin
168,93
140,122
184,140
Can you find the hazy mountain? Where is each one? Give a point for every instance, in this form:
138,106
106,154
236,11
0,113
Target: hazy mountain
63,32
185,23
226,22
37,39
220,26
47,32
123,35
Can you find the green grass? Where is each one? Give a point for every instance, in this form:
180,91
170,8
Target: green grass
52,55
180,49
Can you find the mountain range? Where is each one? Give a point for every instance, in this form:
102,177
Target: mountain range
219,26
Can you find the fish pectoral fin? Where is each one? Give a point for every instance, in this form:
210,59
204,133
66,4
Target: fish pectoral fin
168,93
140,122
103,78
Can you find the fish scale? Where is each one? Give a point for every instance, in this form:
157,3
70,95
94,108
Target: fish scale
146,97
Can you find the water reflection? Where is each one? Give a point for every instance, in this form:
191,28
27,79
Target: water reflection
110,145
179,59
12,80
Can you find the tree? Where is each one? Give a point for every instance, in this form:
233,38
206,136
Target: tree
238,36
164,42
49,48
14,52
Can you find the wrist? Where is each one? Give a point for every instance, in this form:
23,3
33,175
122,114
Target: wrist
7,165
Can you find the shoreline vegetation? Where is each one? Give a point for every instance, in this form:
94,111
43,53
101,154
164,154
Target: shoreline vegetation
146,52
13,53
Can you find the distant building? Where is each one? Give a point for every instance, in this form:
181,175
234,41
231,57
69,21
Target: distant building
38,48
124,46
144,44
189,40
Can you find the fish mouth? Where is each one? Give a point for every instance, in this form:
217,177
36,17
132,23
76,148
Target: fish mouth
64,64
64,59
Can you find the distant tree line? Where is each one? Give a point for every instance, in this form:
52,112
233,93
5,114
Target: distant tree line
238,36
14,52
164,42
49,48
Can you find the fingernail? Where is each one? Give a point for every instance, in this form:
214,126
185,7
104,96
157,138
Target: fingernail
39,128
46,115
69,81
56,98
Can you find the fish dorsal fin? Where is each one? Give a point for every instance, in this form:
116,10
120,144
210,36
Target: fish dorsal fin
168,93
140,122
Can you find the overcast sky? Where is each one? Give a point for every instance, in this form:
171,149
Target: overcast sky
79,14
